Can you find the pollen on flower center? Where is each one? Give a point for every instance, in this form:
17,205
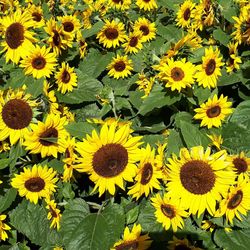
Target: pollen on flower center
147,173
133,41
186,14
213,111
37,16
65,76
144,29
235,200
177,74
111,33
56,38
14,35
210,67
168,211
120,66
68,26
240,164
38,62
35,184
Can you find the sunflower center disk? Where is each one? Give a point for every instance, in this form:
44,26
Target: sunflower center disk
177,74
47,136
111,33
38,63
133,41
34,184
53,212
186,14
14,35
120,66
117,1
168,211
197,177
210,67
144,29
56,38
110,160
17,114
147,173
37,17
235,200
130,245
68,26
240,164
65,76
214,111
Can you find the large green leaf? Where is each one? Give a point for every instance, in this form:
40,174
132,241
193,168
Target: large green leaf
4,163
79,129
7,199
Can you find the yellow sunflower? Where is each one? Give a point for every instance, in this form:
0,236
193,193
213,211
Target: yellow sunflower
234,60
146,5
199,178
120,66
37,15
169,212
120,4
147,176
213,112
147,28
216,140
57,40
146,84
181,244
39,62
3,228
53,214
82,48
177,75
134,43
4,146
109,157
133,240
241,164
185,14
35,183
112,34
17,38
17,114
236,203
47,138
66,78
207,74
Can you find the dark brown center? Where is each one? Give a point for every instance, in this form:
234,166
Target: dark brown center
146,174
133,41
129,245
186,14
65,76
68,26
14,35
35,184
213,111
210,67
144,29
53,212
197,177
67,153
111,33
240,164
38,62
56,38
177,74
119,66
117,1
46,138
110,160
168,211
235,200
37,17
17,114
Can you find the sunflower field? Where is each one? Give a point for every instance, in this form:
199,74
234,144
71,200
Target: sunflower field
124,124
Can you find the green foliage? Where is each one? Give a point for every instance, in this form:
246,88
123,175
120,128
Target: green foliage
8,198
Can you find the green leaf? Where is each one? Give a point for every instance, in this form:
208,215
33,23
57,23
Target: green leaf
31,220
192,135
228,79
86,90
221,36
93,30
15,152
175,143
228,11
241,114
4,163
79,129
132,215
169,32
7,199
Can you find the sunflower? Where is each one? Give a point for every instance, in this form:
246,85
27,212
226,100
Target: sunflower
241,164
17,39
146,27
236,203
111,34
53,214
234,60
82,48
199,178
177,74
169,212
216,140
3,228
120,66
179,244
146,5
4,146
57,40
17,113
185,14
66,78
35,183
133,240
71,25
47,138
39,62
146,84
110,157
214,111
148,174
134,43
37,15
207,73
120,4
